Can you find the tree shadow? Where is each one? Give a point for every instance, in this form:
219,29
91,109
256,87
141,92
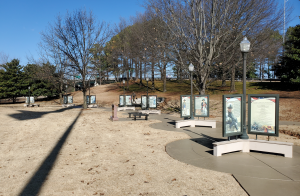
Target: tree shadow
28,115
36,182
279,86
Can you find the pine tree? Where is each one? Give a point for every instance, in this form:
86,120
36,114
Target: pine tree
12,81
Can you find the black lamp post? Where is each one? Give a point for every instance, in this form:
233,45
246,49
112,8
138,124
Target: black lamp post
245,47
191,69
147,79
29,95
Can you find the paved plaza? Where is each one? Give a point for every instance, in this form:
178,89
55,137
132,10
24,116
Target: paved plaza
259,173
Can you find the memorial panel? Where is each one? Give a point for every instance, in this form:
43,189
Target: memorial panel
232,115
185,106
263,114
31,100
201,105
128,100
144,102
121,98
70,99
153,101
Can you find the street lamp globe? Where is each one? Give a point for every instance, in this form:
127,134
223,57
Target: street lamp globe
245,45
123,81
191,67
29,87
147,79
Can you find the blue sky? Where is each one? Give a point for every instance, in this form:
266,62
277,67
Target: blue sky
21,21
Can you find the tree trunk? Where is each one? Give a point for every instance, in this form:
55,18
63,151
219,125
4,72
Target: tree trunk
84,99
141,74
164,76
224,75
232,83
152,64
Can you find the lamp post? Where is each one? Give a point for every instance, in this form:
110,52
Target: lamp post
29,95
147,79
191,69
245,47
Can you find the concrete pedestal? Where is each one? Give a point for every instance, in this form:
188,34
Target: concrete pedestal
284,148
68,105
92,106
150,111
193,123
126,108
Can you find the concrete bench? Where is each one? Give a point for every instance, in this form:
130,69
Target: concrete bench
126,108
31,105
68,105
135,114
92,106
284,148
193,123
150,111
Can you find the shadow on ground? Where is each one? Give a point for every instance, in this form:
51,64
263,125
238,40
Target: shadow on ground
36,182
28,115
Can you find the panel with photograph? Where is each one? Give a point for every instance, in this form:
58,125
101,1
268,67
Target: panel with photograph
153,101
70,99
232,115
121,100
128,100
31,100
263,114
144,102
65,99
201,105
185,106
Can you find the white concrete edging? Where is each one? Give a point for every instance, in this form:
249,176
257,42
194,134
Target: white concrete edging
193,123
150,111
251,144
126,108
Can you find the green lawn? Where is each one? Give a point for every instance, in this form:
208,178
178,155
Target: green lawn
214,88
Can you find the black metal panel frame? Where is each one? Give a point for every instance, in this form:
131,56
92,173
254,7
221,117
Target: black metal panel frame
224,115
276,96
155,101
181,96
195,105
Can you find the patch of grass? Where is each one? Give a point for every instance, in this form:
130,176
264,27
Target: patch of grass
215,88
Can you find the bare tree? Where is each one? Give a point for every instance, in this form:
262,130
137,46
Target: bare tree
74,37
204,26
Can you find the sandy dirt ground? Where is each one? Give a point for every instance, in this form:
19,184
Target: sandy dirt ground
54,151
61,151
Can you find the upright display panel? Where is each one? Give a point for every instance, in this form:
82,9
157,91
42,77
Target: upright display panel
263,114
201,105
232,115
93,99
65,99
70,99
128,100
121,101
31,100
144,102
185,106
152,101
